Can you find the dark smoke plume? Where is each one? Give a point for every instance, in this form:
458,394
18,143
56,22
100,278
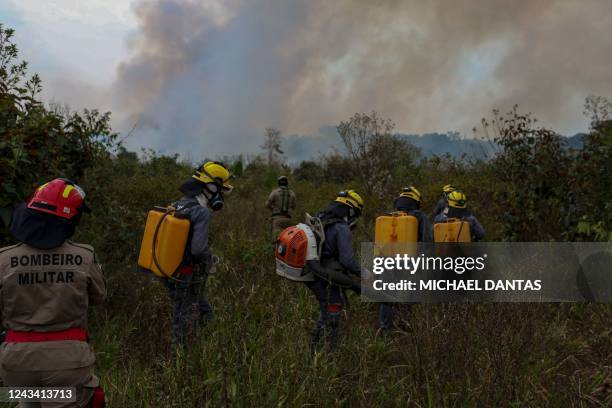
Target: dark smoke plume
207,77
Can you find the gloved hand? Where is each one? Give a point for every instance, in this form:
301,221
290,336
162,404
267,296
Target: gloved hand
208,266
212,268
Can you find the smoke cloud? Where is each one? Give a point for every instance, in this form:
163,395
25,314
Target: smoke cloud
206,77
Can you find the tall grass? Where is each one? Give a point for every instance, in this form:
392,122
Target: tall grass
255,351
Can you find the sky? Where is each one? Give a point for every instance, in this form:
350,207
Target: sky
206,77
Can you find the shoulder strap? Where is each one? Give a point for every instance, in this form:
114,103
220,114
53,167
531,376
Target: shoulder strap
184,209
331,221
284,200
10,247
80,246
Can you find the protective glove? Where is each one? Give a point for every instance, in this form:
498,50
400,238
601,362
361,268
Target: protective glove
212,268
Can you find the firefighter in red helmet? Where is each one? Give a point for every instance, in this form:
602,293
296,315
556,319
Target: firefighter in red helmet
46,286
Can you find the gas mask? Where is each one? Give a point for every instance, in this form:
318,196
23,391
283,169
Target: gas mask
211,196
353,217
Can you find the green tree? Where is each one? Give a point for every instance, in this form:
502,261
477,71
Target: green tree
37,143
591,176
531,177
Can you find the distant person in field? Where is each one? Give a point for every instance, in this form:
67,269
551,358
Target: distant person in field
337,255
457,208
282,204
47,284
203,193
409,202
442,203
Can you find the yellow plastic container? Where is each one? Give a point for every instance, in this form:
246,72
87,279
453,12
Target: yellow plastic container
172,236
395,233
452,230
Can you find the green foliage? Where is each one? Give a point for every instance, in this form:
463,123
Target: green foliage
530,168
308,171
374,153
255,353
237,168
590,179
37,144
544,191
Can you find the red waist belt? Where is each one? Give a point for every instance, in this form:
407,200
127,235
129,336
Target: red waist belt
186,270
14,336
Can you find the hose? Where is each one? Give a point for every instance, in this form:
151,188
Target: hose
159,268
333,276
462,220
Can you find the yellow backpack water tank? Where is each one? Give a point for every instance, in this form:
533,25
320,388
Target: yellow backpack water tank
452,230
170,234
393,230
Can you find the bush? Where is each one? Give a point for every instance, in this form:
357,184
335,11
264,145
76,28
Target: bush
37,144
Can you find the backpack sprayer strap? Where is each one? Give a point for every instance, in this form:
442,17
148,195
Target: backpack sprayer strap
461,221
183,270
397,213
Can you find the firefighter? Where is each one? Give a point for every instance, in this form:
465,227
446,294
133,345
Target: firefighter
409,202
282,204
337,256
442,203
202,193
457,208
47,284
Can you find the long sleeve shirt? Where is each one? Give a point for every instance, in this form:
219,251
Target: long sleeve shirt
440,206
281,202
339,245
199,217
425,233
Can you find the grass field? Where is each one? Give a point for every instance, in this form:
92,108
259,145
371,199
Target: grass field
255,352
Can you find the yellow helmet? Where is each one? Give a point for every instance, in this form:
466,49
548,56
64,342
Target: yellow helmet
457,199
449,188
214,172
411,192
350,198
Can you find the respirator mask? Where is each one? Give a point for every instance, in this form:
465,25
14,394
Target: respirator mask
353,217
211,196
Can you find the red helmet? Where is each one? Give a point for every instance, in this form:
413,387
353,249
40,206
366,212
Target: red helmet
60,197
